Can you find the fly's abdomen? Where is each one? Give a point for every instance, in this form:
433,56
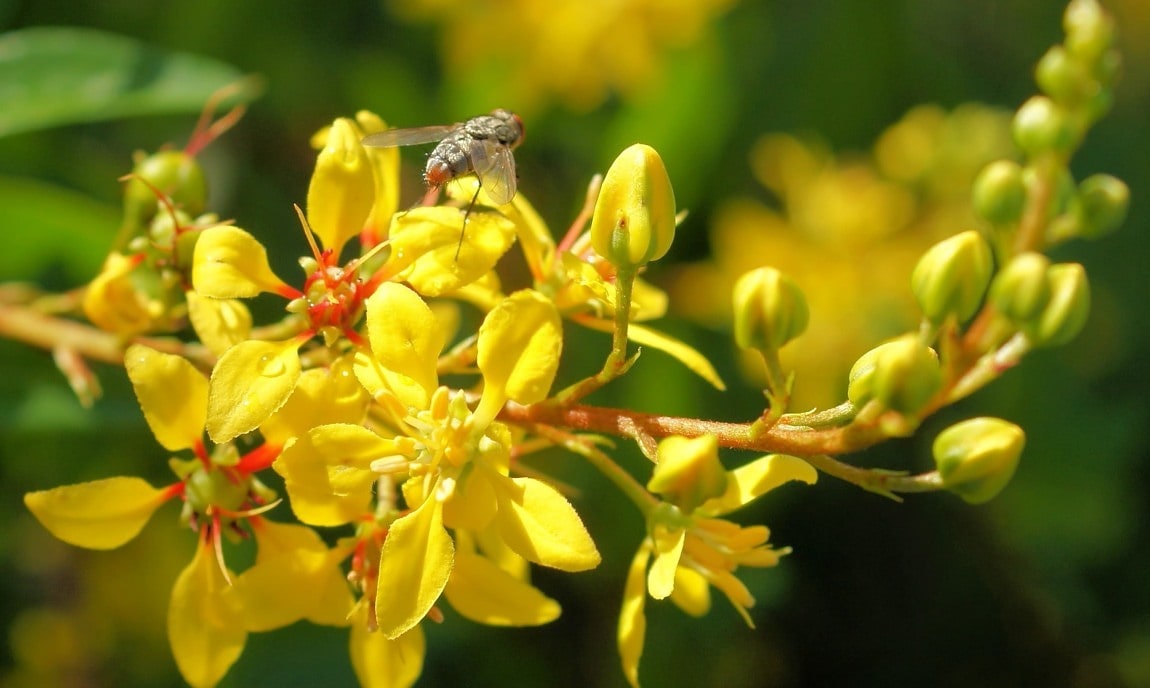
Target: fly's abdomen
448,161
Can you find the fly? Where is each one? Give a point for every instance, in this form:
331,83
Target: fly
481,146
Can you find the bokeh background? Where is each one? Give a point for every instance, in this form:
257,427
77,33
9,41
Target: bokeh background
832,138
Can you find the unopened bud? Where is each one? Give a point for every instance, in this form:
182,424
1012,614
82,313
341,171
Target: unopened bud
171,172
1063,77
1089,30
770,309
999,192
901,374
1103,201
688,471
634,221
976,458
1021,290
952,276
1069,306
1041,125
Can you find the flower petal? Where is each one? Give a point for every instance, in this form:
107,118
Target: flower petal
249,383
404,333
326,472
632,620
342,188
177,420
425,242
102,514
381,662
752,480
294,577
413,569
219,323
661,577
205,627
696,362
322,396
518,351
486,594
230,264
542,526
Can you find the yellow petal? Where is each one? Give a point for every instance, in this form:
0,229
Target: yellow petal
342,188
322,396
692,593
177,420
249,383
404,333
661,577
519,345
219,323
113,302
205,627
102,514
294,578
472,504
534,237
632,620
413,569
385,164
380,662
695,361
542,526
326,472
380,381
750,481
424,242
485,593
230,263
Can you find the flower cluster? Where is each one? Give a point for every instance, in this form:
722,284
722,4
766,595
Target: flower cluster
396,432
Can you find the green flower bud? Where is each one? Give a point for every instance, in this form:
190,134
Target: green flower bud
172,172
1089,31
1103,201
770,309
1041,125
634,221
902,374
1063,77
688,471
1021,290
976,458
952,276
1065,314
999,192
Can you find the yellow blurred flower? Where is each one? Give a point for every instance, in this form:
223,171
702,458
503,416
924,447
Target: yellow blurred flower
576,51
848,231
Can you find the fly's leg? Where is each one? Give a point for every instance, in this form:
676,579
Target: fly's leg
466,214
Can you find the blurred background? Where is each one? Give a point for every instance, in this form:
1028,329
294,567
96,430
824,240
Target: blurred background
832,139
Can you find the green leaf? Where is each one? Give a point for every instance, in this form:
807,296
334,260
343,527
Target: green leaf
60,75
48,225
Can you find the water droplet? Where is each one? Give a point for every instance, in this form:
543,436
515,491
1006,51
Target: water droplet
271,366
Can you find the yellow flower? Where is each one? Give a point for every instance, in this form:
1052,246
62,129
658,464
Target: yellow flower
688,549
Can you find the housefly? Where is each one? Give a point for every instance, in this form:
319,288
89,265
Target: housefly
481,146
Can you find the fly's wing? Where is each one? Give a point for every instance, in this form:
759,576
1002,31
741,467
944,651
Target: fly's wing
408,137
495,166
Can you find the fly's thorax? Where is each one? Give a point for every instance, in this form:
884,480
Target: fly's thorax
500,125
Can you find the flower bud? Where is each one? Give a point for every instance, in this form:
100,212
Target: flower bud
1021,290
634,221
1089,31
999,192
1063,77
1040,125
1103,201
976,458
902,374
171,172
688,471
1069,305
952,276
770,309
